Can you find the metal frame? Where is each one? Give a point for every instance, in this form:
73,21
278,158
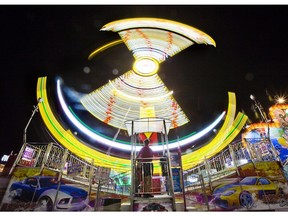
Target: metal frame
164,138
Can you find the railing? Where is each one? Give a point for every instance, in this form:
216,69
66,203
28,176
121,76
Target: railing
202,179
158,168
54,157
221,165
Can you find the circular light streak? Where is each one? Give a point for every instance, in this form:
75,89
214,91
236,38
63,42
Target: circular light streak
145,66
126,147
169,43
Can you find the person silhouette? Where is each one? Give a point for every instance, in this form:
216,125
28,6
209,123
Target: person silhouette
145,157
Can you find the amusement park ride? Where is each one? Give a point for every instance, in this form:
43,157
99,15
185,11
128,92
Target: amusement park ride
138,93
139,102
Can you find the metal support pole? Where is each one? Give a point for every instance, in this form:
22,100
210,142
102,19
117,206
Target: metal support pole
84,170
260,108
132,158
207,167
63,161
46,156
33,113
162,142
199,170
18,158
204,190
169,168
25,137
182,176
274,151
249,150
233,159
97,195
37,157
222,161
90,177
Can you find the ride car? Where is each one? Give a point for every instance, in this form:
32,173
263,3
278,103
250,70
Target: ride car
237,195
42,190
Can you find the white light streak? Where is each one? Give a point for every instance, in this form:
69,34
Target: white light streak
125,147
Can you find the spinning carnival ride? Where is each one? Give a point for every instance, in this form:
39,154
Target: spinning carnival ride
139,93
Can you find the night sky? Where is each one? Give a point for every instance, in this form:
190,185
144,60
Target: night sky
55,40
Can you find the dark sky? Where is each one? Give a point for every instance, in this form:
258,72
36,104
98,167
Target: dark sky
55,40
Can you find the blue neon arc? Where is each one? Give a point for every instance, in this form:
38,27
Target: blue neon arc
121,146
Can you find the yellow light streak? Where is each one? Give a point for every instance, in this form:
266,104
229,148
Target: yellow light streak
190,32
230,126
104,47
139,98
69,141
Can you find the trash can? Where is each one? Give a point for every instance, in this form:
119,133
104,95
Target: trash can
111,204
